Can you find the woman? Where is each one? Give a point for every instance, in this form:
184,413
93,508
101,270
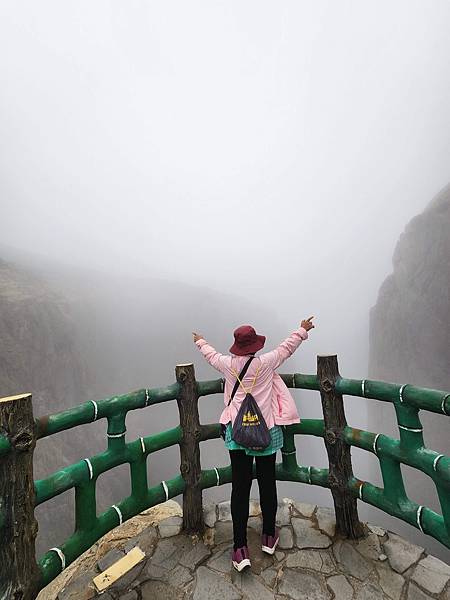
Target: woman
277,407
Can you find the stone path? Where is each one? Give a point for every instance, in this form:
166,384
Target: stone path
311,563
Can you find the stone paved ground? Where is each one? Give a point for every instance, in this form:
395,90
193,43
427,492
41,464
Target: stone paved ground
311,563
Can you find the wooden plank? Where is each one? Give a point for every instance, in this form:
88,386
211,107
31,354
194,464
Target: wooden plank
13,398
103,581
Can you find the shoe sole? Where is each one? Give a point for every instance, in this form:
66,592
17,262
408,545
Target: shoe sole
241,565
269,550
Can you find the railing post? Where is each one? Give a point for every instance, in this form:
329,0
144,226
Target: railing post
190,448
339,457
19,573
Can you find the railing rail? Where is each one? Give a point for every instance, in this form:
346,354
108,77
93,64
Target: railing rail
19,572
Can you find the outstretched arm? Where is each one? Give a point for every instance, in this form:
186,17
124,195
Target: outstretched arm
288,346
215,359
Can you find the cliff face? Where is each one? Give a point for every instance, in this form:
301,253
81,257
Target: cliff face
410,325
410,330
39,354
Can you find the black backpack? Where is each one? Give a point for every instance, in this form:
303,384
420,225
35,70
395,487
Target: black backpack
249,427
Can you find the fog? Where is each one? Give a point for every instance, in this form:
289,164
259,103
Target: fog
269,152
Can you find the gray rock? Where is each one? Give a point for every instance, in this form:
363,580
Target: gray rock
391,582
254,508
156,572
170,526
109,559
169,551
414,593
250,586
302,586
198,553
80,588
179,576
283,515
306,510
210,584
223,532
305,559
328,565
369,546
146,541
340,587
279,555
131,595
221,562
210,515
158,590
269,576
326,520
401,554
431,574
351,561
370,591
307,536
255,523
376,530
224,511
286,538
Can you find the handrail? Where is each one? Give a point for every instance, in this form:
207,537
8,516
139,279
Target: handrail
338,437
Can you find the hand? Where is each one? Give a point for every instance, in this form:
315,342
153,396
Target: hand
307,324
197,336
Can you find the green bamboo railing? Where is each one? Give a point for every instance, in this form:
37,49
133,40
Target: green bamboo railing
409,450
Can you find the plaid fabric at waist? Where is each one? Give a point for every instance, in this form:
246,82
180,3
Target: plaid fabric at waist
276,434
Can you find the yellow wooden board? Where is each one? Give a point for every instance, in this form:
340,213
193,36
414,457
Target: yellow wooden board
12,398
118,569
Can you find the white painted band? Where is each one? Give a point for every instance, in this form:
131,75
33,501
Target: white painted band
222,384
309,474
94,403
400,392
436,460
375,443
147,397
286,453
142,445
411,429
363,387
419,520
217,475
166,489
360,491
91,470
443,403
116,435
61,557
293,380
119,514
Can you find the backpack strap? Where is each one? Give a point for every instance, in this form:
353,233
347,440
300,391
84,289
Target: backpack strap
239,377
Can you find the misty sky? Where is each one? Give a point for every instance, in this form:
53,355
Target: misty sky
272,149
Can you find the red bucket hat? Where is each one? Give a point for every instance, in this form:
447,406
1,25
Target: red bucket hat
247,341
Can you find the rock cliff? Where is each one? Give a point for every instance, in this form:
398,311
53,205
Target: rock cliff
410,332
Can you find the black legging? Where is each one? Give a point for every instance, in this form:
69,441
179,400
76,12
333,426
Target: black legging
241,469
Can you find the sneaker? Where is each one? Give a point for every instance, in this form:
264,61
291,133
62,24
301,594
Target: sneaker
269,542
240,558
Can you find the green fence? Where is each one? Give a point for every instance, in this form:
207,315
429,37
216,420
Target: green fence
338,437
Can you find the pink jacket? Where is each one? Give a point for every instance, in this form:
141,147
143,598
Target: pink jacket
271,393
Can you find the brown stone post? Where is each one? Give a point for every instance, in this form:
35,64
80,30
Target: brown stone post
19,573
339,457
190,449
